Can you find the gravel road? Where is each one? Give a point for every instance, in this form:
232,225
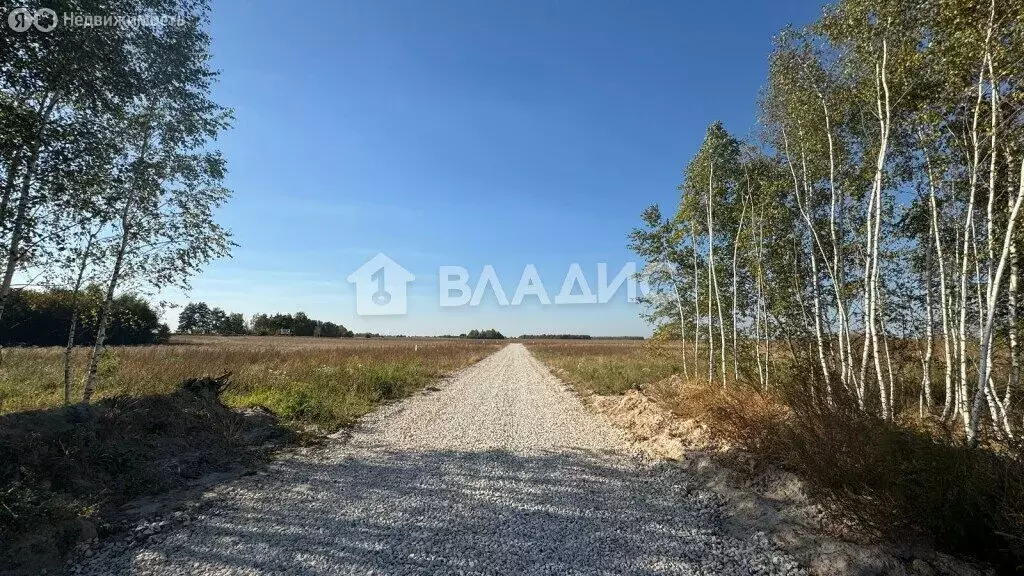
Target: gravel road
502,471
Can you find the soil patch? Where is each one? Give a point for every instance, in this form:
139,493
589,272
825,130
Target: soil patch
763,498
72,475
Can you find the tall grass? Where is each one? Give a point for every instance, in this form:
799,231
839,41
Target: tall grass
323,381
608,367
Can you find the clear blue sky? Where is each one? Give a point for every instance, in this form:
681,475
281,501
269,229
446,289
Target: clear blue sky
465,132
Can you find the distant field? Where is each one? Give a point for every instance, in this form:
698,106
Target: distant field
324,381
608,366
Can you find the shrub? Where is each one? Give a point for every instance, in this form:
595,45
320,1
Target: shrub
57,464
42,318
893,480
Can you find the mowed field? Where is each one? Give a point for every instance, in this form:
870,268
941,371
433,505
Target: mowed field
323,381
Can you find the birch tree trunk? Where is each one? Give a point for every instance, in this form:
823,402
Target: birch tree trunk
696,301
944,297
986,336
815,280
76,292
1013,379
13,170
835,217
883,107
714,275
18,231
963,405
926,363
735,259
101,326
711,291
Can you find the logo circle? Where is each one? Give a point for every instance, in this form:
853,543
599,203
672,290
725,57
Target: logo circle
20,19
45,19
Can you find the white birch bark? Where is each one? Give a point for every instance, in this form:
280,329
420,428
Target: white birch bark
101,326
944,297
986,336
962,406
735,259
696,300
816,292
714,274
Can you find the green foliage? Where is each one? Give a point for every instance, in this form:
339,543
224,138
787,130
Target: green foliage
196,317
108,363
199,318
303,405
298,325
489,334
42,318
107,162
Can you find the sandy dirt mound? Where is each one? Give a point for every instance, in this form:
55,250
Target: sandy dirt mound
771,501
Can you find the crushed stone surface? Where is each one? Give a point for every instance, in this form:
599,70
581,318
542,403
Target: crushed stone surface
501,471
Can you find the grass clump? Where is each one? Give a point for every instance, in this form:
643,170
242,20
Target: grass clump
895,480
64,471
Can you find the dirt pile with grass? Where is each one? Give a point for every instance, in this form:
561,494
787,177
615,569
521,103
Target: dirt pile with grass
890,481
833,498
65,473
656,431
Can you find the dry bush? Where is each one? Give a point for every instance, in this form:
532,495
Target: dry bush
64,468
892,481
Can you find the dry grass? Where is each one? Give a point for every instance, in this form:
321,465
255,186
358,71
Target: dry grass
892,480
324,381
608,366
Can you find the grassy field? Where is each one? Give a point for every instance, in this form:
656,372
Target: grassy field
608,366
324,381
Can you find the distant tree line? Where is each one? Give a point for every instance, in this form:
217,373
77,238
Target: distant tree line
299,325
41,318
576,337
200,318
489,334
555,337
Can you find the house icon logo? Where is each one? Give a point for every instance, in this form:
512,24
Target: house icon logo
381,287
